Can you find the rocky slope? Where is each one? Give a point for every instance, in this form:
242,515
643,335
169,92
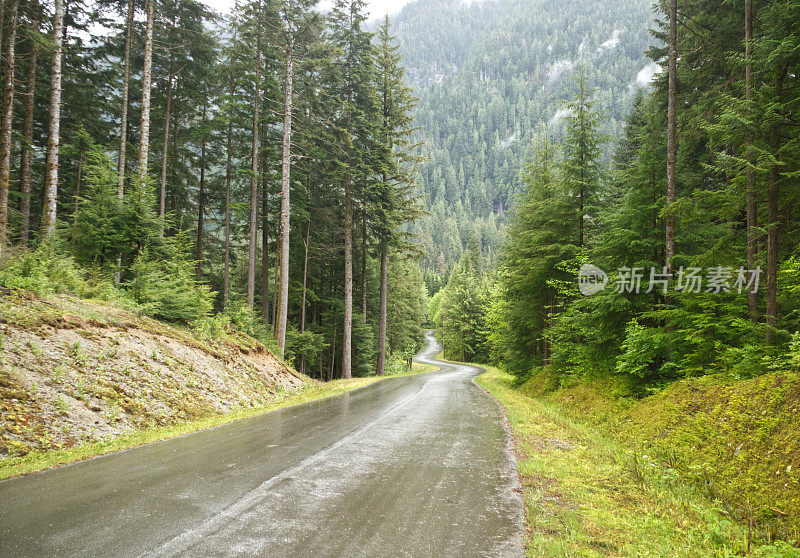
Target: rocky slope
74,371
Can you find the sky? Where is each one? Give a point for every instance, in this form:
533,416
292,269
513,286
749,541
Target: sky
376,8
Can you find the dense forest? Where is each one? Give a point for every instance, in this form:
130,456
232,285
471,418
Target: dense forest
596,200
650,281
695,218
486,74
253,169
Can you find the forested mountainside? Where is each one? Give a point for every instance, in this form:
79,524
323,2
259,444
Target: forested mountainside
486,75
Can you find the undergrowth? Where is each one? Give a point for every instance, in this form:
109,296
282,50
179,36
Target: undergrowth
591,494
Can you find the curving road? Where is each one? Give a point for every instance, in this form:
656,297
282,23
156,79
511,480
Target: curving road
409,466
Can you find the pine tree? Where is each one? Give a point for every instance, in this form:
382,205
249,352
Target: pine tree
355,66
672,146
126,79
6,120
25,175
393,202
582,150
54,127
147,78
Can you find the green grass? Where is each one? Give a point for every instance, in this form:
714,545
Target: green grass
588,495
418,368
39,461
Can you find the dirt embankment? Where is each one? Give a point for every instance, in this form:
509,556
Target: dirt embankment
74,371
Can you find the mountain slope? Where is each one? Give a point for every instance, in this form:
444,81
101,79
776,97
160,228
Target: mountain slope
487,74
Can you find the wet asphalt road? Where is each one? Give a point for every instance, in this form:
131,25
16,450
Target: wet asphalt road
410,466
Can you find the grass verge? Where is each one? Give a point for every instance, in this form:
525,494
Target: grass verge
34,462
587,495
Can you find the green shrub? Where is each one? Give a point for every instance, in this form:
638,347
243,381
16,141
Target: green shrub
167,289
307,344
44,271
395,364
212,327
246,320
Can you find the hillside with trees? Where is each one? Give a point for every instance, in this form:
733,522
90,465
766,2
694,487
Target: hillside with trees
188,164
690,235
597,200
487,74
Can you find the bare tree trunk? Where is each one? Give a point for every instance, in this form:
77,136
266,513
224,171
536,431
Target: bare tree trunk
303,297
283,294
305,278
752,204
672,149
364,267
347,371
162,198
772,227
265,301
123,126
147,80
772,252
275,285
382,312
201,199
7,122
226,275
333,354
251,263
2,19
81,158
27,130
51,165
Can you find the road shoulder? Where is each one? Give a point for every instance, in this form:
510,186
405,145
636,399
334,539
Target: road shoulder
585,495
36,462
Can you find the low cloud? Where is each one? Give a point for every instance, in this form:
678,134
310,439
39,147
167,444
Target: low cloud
646,74
559,115
611,43
558,69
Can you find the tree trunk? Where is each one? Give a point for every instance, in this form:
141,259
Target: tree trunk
305,278
2,19
126,78
382,311
347,331
672,148
772,227
27,131
51,166
265,300
253,241
147,79
752,204
275,275
303,297
772,252
162,198
177,147
333,354
7,122
364,267
81,158
283,294
226,275
201,196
